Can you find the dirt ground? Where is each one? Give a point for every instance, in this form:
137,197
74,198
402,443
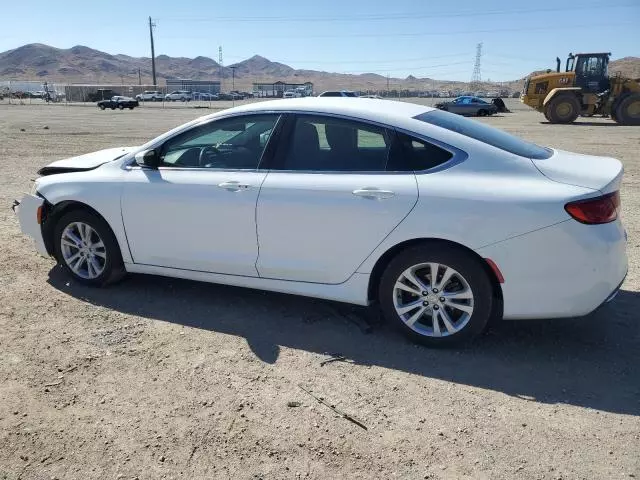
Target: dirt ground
159,378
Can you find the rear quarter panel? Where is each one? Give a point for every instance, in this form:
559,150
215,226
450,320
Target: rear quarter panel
488,198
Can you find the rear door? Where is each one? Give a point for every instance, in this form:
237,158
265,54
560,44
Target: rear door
329,199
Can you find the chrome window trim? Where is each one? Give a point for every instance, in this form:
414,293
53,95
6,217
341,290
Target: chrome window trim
458,157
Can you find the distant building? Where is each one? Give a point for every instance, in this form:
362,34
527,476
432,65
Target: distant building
277,89
205,86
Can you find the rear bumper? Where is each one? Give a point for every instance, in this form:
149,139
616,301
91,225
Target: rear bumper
27,212
566,270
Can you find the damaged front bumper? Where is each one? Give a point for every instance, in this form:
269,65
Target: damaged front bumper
29,212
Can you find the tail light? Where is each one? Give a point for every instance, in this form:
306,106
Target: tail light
593,211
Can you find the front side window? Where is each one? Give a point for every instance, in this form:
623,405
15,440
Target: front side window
328,144
486,134
232,143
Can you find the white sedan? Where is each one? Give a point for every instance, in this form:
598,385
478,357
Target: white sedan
442,221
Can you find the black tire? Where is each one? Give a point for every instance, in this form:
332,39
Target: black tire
183,99
468,267
113,265
482,113
628,110
121,107
563,108
130,108
113,108
101,107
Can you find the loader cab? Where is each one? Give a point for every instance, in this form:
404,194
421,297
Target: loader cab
591,71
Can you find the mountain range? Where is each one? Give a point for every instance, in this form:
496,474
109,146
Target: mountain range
82,64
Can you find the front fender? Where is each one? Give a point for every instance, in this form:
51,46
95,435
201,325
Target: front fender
557,91
99,191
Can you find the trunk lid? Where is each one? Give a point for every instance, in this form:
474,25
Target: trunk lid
599,173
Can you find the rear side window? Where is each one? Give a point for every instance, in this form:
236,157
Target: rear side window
486,134
414,154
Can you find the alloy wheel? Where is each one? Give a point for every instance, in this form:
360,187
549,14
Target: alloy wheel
433,299
83,250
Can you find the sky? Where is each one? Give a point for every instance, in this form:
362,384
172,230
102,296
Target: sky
418,37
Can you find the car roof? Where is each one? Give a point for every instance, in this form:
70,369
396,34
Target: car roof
371,109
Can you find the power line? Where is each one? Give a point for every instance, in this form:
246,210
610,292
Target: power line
448,33
392,16
377,62
425,67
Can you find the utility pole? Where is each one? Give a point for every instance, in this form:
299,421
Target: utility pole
220,64
153,53
139,77
233,77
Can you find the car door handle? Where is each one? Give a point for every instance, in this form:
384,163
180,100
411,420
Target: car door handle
373,193
234,186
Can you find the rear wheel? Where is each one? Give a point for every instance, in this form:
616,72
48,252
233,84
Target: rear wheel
482,113
562,109
101,107
121,107
628,111
87,248
436,295
130,108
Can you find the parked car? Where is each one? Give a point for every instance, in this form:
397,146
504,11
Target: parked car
150,96
443,221
290,94
338,93
118,102
467,105
179,95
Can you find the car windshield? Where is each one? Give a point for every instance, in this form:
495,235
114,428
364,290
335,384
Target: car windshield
349,94
484,133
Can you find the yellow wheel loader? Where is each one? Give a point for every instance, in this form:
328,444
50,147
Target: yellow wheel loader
584,89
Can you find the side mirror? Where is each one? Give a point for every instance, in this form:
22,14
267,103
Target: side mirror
148,158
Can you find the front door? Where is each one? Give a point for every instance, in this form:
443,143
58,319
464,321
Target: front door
329,199
197,210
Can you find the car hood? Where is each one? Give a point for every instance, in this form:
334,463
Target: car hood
598,173
85,162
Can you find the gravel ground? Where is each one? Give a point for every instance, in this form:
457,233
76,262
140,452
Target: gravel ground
160,378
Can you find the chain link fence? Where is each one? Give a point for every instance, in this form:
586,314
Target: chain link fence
23,92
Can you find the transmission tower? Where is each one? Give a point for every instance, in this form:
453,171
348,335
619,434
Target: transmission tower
476,78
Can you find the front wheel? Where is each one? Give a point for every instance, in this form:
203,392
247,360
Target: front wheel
101,107
87,248
437,295
564,108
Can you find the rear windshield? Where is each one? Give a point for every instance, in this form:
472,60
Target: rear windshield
484,133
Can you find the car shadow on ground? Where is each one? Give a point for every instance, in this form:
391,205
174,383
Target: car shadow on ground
589,362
